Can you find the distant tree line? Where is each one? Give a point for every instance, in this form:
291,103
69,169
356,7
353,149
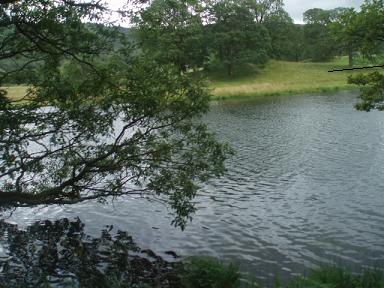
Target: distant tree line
228,33
225,34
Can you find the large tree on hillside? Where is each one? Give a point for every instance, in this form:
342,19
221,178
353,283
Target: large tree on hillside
235,37
317,16
286,37
172,31
263,9
100,119
370,24
318,40
345,31
370,20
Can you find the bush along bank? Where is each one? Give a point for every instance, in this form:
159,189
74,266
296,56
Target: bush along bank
206,272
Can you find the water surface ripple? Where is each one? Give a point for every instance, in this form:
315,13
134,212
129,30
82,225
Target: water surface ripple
305,188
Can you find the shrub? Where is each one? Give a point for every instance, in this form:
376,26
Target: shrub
335,277
208,272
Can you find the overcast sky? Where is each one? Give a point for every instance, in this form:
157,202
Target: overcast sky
296,8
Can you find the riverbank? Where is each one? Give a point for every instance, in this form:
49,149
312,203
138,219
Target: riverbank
61,254
283,78
206,272
276,78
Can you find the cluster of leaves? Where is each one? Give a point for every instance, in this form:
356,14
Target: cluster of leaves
370,22
209,272
226,33
344,30
236,38
372,94
349,31
99,119
194,34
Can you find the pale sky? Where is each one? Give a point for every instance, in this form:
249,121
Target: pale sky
295,8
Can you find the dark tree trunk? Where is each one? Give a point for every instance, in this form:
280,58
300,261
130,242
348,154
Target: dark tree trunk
230,69
183,67
350,58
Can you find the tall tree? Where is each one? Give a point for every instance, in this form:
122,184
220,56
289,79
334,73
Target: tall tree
172,31
109,122
317,16
318,40
371,20
344,29
236,38
263,9
370,24
286,37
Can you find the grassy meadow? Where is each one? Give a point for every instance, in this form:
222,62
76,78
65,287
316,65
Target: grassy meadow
282,77
16,92
276,78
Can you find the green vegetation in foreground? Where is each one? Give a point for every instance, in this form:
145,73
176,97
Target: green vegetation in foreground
207,272
284,78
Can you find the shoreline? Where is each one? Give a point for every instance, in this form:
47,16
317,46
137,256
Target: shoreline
237,96
299,92
281,78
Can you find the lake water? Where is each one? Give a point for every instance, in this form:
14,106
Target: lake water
305,188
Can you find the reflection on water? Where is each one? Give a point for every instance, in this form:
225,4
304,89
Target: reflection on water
60,254
305,188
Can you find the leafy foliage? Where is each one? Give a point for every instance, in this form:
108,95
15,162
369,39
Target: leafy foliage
335,277
372,94
262,10
236,38
172,31
344,30
318,39
286,38
370,23
208,272
100,119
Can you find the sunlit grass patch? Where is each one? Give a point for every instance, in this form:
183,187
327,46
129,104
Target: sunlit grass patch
282,77
16,92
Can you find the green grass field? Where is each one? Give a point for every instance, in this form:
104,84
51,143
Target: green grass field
276,78
281,77
16,92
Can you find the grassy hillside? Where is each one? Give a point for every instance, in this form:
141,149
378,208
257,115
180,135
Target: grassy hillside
276,78
16,92
280,77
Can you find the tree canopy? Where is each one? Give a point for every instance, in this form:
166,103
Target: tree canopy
370,26
235,36
172,31
101,119
344,30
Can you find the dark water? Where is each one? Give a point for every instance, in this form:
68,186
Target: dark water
306,188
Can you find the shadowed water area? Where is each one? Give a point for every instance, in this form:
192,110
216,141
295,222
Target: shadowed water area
305,188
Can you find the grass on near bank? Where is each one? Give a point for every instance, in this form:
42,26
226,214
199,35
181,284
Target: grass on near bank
207,272
284,78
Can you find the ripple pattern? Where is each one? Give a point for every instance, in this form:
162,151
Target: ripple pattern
305,188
